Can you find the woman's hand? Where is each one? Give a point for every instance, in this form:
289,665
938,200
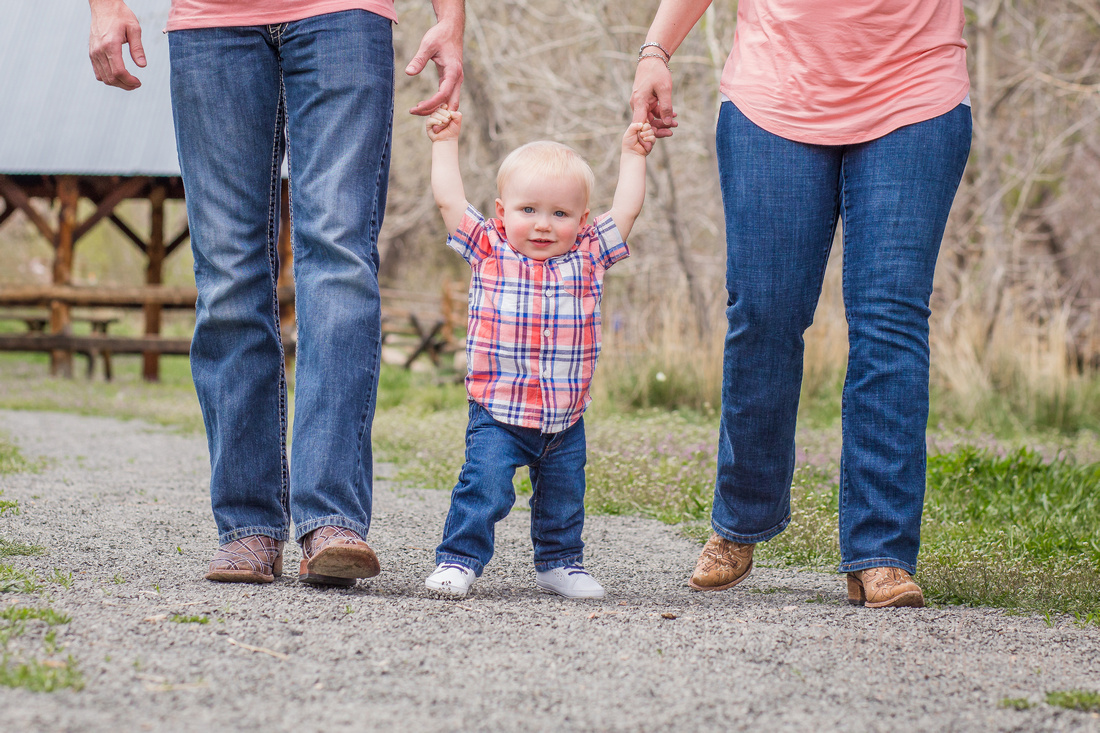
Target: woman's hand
651,98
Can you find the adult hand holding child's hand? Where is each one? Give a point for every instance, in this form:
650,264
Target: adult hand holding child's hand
639,138
443,124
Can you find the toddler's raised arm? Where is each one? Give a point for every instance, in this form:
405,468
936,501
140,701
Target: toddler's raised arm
443,127
630,191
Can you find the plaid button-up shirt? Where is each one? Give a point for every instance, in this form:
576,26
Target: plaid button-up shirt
534,331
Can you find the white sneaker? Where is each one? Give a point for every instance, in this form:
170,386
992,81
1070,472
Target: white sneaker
572,581
451,579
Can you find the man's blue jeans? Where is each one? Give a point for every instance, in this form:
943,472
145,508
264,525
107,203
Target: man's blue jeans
322,89
782,201
484,494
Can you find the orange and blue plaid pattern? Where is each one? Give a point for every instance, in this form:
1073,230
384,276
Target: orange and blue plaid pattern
534,329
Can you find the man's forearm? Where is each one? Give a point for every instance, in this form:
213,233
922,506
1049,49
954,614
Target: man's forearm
451,12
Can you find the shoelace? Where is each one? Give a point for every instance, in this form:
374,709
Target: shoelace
456,566
575,570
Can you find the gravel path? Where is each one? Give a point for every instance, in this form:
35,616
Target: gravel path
125,501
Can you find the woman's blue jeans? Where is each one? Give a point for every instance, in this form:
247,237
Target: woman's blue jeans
322,90
782,202
484,494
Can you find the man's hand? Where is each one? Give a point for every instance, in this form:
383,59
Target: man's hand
639,138
443,45
113,25
651,98
443,125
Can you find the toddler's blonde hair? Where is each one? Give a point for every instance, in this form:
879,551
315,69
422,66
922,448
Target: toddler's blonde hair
544,158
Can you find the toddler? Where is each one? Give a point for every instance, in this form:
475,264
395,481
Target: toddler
532,342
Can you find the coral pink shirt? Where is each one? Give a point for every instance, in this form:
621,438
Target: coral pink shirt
836,73
223,13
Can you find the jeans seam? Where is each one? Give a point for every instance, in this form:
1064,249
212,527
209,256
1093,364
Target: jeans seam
564,562
242,532
876,562
273,258
749,539
365,416
332,520
467,562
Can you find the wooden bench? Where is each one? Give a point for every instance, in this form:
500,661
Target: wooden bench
426,323
37,323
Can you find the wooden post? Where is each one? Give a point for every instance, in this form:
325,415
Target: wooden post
286,269
154,275
61,362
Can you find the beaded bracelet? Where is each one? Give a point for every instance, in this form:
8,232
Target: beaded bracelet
654,44
655,56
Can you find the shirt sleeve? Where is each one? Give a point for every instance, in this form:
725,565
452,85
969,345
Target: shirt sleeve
605,241
472,238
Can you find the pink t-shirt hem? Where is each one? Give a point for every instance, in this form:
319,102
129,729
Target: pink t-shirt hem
883,125
190,14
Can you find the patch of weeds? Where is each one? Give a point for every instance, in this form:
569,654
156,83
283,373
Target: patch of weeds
7,506
428,463
13,461
188,619
698,531
811,539
819,599
41,676
1016,703
13,620
1092,618
651,463
765,591
1015,531
118,579
1086,701
15,580
11,547
33,674
65,580
170,402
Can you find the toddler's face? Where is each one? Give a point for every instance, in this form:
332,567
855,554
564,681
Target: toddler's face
542,217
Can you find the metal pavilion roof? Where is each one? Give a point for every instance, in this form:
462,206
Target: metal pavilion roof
55,118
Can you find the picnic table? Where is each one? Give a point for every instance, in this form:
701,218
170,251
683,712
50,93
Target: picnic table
37,323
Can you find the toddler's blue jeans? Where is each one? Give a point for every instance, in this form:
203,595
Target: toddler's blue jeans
322,89
782,201
484,494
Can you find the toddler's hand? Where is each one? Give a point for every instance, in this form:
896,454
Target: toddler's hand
443,124
639,138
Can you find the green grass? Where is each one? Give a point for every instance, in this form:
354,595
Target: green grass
188,619
25,384
33,674
17,580
1086,701
9,548
1016,703
1012,531
13,461
39,676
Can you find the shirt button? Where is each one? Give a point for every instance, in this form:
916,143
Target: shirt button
546,332
548,291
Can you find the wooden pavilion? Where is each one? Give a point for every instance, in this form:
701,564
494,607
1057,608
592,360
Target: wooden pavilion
65,137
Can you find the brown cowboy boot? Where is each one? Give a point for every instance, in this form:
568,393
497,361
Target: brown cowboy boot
253,559
882,588
336,556
722,564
